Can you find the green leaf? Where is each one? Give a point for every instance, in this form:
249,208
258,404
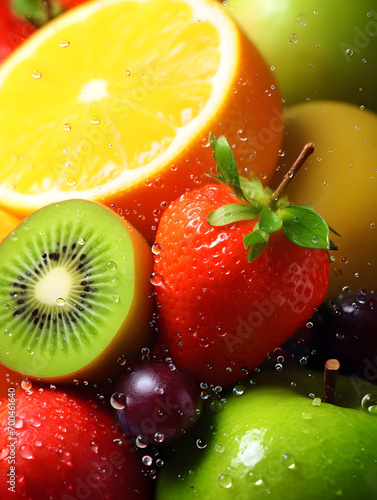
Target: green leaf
269,221
253,190
257,241
212,141
304,227
226,162
233,212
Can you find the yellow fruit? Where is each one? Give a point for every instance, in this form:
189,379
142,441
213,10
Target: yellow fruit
114,101
7,223
340,180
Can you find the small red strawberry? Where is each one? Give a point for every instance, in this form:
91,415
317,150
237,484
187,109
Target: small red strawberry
13,31
53,445
231,283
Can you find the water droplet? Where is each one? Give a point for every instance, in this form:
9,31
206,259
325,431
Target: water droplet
219,448
288,460
64,456
26,385
30,350
116,298
67,127
293,38
35,422
156,248
4,452
94,446
19,423
201,444
159,462
122,360
159,437
71,181
64,44
118,401
239,389
111,265
316,402
36,74
95,120
141,441
349,52
147,460
346,289
278,367
368,401
372,225
60,301
224,480
158,183
26,451
156,279
242,135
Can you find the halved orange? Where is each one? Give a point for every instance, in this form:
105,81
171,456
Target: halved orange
114,101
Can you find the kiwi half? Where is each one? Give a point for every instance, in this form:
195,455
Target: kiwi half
75,292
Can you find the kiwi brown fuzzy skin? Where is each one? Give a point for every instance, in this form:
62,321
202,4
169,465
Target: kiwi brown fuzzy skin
134,333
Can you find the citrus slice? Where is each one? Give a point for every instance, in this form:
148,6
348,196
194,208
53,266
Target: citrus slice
114,101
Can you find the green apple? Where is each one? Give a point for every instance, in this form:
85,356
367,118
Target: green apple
340,180
278,441
318,49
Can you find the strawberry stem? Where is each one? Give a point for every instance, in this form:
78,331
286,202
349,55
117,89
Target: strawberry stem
306,151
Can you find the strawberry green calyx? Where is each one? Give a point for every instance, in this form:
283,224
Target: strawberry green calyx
301,225
37,12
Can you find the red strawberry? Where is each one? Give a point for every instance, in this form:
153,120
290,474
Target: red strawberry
68,4
53,445
219,315
13,31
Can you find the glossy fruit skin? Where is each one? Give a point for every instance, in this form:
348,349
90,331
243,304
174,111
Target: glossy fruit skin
160,399
69,4
306,44
13,31
346,329
65,449
219,314
272,442
340,174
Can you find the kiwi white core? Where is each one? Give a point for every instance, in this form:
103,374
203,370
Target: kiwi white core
54,286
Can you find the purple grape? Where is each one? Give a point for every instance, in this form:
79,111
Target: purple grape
344,328
156,402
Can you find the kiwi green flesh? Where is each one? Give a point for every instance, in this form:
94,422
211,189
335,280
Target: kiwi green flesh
66,286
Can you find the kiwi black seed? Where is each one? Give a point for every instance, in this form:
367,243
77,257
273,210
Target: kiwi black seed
72,291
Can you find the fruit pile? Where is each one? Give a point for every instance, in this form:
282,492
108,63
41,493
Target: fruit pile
187,250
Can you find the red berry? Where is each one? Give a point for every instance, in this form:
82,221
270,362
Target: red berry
220,314
13,31
157,401
66,449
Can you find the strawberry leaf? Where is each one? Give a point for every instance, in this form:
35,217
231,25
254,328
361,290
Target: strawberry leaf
269,221
304,227
257,242
233,212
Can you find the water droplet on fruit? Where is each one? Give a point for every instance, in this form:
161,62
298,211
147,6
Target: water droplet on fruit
116,298
35,422
26,385
26,451
118,401
95,120
64,456
372,225
71,181
224,480
368,401
94,446
141,441
201,444
239,389
122,360
81,241
19,423
64,44
346,289
36,74
158,183
156,279
156,248
293,38
303,360
316,402
111,265
219,448
4,452
147,460
241,135
288,460
67,127
60,301
159,462
278,367
349,52
159,437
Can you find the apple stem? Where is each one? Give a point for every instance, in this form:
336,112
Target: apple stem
329,381
306,151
